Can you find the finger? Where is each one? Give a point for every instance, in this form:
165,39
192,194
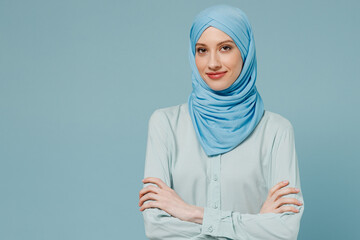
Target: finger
285,191
277,187
149,196
281,201
148,189
153,204
155,180
287,209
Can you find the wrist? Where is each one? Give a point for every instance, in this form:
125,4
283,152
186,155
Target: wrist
196,214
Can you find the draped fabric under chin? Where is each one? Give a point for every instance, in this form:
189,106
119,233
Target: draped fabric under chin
223,119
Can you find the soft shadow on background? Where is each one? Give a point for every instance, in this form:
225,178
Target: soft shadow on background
79,80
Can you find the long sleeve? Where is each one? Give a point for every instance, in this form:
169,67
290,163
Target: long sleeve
160,144
235,225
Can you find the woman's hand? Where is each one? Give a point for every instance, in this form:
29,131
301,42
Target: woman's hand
274,201
166,199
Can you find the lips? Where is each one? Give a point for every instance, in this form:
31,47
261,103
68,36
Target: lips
216,75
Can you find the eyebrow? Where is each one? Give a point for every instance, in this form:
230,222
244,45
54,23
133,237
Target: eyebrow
217,44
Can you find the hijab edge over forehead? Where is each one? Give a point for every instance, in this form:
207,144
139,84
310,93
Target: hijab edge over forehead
222,17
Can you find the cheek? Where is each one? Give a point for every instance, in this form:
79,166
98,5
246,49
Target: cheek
235,63
199,64
238,67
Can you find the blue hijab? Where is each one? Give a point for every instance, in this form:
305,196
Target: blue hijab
225,118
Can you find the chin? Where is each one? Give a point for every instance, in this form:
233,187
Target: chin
217,86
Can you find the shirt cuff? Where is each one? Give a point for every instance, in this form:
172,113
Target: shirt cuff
219,223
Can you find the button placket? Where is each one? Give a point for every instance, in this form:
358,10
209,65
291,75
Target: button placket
215,178
216,182
214,193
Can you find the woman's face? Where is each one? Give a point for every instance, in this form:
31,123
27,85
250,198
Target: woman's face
218,59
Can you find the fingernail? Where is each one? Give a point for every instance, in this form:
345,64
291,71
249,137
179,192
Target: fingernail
296,189
301,202
285,181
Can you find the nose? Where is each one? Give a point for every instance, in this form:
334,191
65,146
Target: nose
214,62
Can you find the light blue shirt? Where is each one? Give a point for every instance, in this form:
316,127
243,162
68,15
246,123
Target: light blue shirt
231,187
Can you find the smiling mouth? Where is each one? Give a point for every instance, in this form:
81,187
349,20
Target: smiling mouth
216,75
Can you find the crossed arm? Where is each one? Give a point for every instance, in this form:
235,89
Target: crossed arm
167,199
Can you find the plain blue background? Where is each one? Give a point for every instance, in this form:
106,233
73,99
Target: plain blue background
79,80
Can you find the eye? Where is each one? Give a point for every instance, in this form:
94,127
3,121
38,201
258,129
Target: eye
200,50
226,48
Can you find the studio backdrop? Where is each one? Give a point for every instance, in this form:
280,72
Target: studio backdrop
80,79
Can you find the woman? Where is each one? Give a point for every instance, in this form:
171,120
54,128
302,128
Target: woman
215,165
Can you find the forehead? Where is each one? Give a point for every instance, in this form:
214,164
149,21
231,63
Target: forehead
212,34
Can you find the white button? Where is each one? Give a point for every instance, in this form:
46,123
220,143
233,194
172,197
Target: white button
210,229
215,177
215,205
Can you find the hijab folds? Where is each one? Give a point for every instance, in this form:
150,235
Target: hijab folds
223,119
